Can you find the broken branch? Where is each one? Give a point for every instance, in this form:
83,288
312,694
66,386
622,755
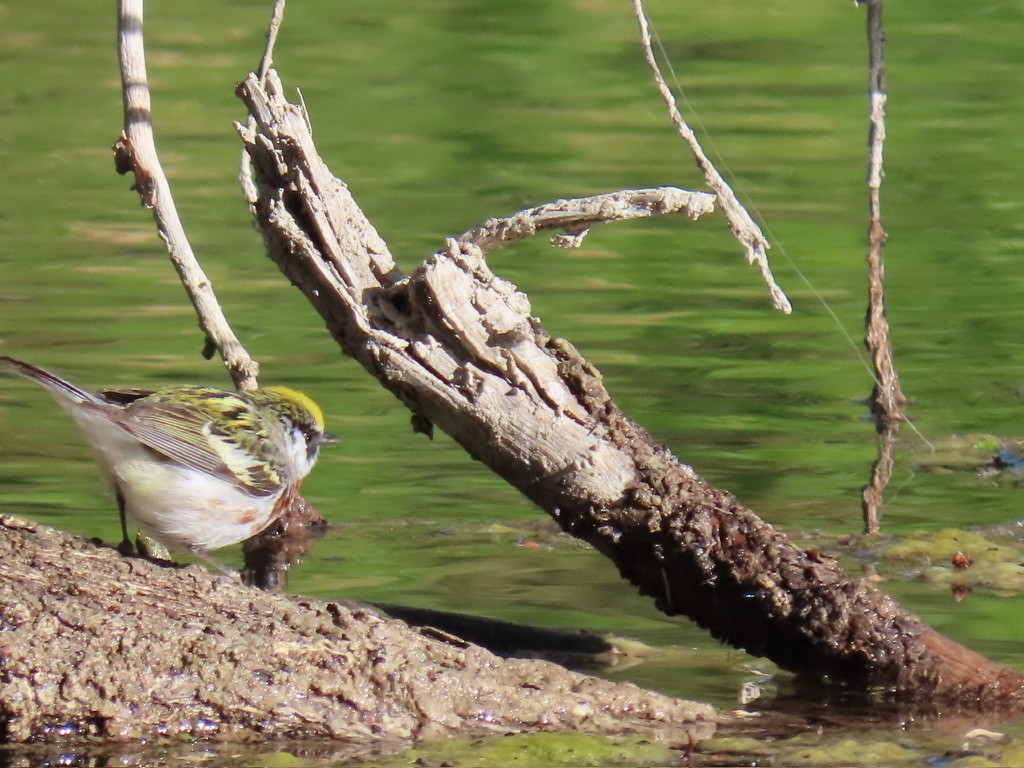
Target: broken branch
135,151
576,216
744,229
461,348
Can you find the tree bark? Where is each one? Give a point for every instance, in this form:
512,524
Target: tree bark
459,347
92,643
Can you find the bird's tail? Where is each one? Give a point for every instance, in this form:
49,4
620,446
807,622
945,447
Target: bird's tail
60,389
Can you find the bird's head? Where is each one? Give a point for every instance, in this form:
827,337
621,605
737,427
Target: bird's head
302,420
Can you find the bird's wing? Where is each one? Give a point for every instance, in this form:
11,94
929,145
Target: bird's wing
211,431
122,396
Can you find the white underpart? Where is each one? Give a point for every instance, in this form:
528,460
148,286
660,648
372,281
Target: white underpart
180,507
186,508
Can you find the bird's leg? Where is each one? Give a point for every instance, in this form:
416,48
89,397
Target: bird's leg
212,561
125,547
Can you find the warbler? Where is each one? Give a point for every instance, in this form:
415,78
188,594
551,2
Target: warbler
196,468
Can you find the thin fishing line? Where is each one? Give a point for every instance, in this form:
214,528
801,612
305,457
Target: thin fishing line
752,205
721,161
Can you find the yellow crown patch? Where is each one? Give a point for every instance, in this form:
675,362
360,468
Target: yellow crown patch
299,400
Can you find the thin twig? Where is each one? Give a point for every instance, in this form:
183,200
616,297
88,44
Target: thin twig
275,26
136,151
249,191
575,217
887,399
743,227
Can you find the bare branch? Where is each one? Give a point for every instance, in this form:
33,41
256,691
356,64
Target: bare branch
249,191
135,151
887,399
576,216
272,30
744,229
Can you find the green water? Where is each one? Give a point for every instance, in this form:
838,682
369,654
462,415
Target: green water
441,114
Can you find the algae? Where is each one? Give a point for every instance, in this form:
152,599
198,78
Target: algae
959,558
538,749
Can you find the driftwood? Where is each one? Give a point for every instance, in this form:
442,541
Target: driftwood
93,643
459,347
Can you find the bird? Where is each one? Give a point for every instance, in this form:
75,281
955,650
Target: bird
197,468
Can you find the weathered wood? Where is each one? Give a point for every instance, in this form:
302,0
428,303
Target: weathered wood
135,151
459,347
92,643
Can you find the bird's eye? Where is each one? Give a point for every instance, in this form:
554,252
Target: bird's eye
315,437
312,438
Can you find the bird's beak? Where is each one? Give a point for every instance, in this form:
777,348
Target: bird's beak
327,438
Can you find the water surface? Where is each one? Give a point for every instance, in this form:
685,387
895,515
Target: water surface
439,115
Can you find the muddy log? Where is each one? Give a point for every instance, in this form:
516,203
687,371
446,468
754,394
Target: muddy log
459,347
93,643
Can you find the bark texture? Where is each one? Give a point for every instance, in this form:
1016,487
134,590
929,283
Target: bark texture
92,643
887,398
459,347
